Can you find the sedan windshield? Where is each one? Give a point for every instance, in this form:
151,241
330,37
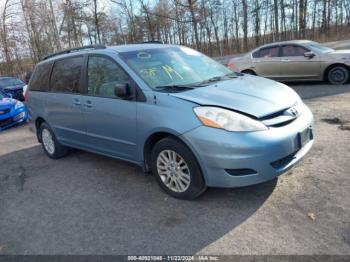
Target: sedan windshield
318,47
10,82
175,67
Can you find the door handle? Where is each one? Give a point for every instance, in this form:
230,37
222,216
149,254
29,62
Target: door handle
285,60
88,103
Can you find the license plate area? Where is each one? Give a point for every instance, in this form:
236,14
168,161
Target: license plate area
304,137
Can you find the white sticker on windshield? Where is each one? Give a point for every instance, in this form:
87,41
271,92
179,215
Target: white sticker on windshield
144,55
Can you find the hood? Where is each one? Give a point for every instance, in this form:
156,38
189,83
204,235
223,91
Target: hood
7,102
252,95
343,54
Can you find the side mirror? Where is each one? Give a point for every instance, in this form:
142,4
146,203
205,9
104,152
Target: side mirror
309,54
122,91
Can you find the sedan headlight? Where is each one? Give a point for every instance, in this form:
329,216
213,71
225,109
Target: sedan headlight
18,105
225,119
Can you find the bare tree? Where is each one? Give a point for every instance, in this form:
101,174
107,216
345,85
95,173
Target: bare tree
245,25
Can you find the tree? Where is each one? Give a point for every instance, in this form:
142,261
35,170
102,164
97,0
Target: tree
245,25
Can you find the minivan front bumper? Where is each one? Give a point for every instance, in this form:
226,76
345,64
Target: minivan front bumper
235,159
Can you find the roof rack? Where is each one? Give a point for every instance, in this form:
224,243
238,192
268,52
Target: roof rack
70,50
153,42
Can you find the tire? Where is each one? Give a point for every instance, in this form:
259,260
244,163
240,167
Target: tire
338,75
49,142
176,169
249,72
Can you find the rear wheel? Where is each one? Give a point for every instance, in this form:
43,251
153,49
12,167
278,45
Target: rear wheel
50,144
249,72
176,169
338,75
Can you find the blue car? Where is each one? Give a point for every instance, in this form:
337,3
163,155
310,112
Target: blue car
12,112
13,87
177,113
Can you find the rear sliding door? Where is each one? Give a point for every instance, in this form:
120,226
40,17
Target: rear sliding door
64,101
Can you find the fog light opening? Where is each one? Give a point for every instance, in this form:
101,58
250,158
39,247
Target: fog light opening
241,172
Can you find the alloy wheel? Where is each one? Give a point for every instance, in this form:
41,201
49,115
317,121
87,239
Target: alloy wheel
48,142
173,171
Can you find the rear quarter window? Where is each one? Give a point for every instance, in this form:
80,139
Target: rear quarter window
40,79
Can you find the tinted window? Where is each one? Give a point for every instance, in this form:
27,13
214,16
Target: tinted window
267,52
65,75
103,75
293,50
40,79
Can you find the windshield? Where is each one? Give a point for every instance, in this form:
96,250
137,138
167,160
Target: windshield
175,66
318,47
10,82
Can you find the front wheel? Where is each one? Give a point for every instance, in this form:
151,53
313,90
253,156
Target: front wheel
338,75
50,144
176,169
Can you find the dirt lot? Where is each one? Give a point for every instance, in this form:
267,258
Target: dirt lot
90,204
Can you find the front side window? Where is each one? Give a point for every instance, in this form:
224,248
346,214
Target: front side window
103,76
293,50
65,77
173,66
267,52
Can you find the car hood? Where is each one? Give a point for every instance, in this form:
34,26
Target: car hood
340,54
6,103
252,95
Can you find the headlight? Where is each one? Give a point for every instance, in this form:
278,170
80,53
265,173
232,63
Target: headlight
226,119
19,104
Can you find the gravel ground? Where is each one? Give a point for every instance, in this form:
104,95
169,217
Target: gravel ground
90,204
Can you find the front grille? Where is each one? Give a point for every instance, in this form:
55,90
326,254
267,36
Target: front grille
278,119
283,123
280,163
5,111
5,122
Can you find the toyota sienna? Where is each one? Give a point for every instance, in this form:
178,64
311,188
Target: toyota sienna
183,117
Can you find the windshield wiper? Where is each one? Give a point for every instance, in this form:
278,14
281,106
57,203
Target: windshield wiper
177,88
219,78
174,88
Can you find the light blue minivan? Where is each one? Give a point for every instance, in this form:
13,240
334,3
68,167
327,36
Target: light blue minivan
180,115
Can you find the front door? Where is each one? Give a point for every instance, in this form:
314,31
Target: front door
295,66
110,120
